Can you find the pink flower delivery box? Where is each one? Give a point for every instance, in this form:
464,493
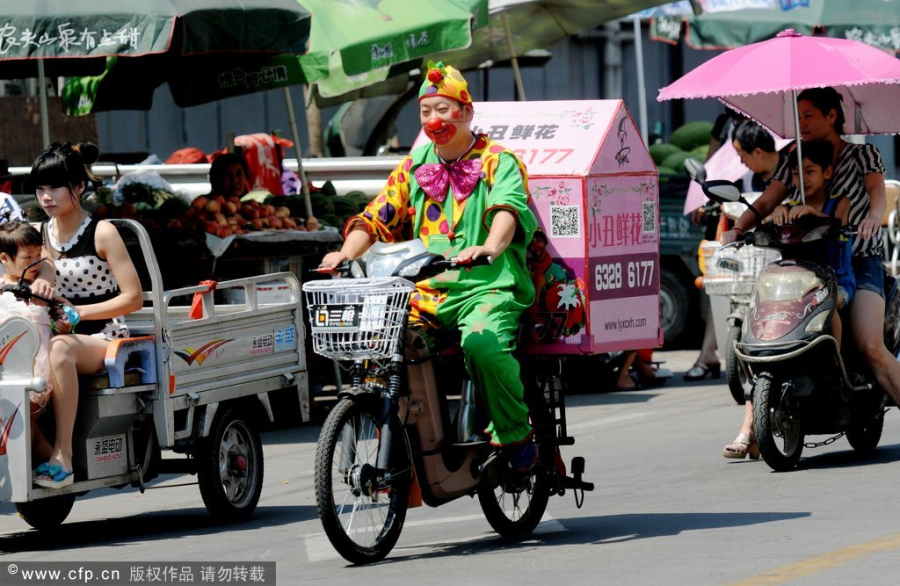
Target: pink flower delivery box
595,190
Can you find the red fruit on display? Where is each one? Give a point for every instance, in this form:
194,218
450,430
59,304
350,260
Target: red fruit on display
199,203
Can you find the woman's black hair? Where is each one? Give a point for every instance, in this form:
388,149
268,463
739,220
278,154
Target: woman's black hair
826,99
752,136
63,164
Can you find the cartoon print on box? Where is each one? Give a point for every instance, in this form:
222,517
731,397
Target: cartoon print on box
559,309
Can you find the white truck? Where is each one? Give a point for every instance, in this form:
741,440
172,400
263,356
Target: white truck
196,387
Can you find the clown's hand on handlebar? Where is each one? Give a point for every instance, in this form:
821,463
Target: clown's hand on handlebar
472,262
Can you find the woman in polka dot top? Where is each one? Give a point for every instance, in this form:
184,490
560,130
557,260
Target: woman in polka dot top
95,276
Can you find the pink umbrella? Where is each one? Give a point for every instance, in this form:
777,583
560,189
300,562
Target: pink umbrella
762,81
759,80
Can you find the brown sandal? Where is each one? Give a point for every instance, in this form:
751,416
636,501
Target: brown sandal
741,447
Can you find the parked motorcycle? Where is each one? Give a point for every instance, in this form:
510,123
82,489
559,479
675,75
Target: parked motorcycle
804,383
730,273
391,442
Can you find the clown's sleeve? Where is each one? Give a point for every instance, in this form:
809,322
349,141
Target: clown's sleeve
387,217
509,191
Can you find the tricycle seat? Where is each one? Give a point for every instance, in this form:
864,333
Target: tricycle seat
129,362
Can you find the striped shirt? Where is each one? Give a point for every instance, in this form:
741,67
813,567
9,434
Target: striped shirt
849,178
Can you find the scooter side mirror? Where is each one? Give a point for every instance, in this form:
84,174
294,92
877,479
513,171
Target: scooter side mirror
721,191
724,191
695,170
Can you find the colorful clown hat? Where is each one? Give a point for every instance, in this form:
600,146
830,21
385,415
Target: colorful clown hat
444,80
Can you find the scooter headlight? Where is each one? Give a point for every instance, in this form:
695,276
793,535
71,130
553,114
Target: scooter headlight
786,286
817,324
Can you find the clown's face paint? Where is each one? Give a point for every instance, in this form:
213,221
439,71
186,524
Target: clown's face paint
439,132
442,119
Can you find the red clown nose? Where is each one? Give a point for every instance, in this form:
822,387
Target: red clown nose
434,124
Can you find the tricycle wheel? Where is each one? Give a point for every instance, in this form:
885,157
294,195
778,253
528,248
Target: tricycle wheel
362,508
46,513
777,424
230,467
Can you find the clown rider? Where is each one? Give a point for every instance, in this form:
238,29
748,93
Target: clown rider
466,196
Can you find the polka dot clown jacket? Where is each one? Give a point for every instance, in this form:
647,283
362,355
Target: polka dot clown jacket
403,211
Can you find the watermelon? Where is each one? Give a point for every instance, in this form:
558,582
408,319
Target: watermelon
676,162
692,135
660,151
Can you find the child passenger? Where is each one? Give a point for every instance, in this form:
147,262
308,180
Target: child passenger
817,170
20,255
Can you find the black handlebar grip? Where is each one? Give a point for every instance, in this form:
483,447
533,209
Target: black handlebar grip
472,262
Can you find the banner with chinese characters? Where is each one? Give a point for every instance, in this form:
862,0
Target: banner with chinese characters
595,259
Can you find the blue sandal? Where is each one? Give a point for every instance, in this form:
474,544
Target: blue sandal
43,469
56,477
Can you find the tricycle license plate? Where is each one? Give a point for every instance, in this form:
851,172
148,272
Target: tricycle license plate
336,318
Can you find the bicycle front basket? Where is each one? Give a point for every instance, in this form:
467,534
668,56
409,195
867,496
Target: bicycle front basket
357,319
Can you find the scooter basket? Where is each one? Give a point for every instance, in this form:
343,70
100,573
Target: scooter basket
357,319
733,271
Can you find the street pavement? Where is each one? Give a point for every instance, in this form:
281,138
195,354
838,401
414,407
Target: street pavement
668,509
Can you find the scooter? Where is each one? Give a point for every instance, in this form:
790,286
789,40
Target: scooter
390,443
804,382
731,274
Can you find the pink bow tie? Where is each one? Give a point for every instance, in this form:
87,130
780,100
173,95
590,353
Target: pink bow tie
462,176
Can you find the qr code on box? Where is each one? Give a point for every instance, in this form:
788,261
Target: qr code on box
648,217
564,222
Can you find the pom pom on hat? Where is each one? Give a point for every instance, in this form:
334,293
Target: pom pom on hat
447,81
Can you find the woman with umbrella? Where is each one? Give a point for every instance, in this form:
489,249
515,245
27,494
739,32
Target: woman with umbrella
859,175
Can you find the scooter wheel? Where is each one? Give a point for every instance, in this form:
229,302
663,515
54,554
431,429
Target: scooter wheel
738,382
777,424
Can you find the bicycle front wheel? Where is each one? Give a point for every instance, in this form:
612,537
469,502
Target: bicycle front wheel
361,507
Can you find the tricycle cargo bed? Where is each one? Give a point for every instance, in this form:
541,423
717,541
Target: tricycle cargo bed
193,377
213,353
233,345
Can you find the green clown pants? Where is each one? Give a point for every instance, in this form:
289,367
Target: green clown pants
488,322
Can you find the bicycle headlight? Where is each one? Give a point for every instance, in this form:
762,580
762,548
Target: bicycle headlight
382,265
412,269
